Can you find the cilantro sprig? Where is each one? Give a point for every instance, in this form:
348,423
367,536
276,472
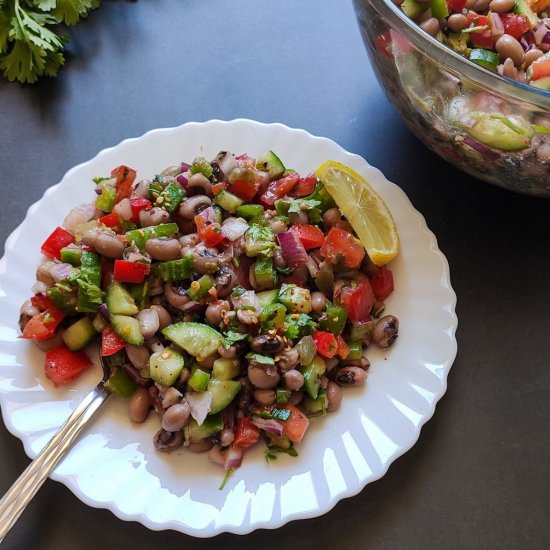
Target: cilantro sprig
30,46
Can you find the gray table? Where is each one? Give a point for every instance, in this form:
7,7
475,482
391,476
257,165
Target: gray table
478,476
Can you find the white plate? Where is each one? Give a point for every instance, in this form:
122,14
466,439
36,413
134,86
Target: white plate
114,465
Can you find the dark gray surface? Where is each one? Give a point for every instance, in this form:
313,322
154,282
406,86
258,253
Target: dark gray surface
478,476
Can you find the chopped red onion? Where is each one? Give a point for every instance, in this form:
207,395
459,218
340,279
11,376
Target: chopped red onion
39,288
170,396
77,216
227,163
497,27
103,311
233,458
184,167
247,299
148,321
292,248
208,214
312,267
269,425
182,180
233,228
59,271
200,403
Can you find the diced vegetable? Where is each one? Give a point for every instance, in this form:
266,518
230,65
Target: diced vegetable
246,434
325,343
130,272
197,339
165,366
111,342
79,334
58,239
62,365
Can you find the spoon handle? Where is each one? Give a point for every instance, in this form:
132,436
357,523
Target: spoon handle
23,490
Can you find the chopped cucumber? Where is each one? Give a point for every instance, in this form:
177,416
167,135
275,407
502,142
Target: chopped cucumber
295,298
175,270
228,201
271,163
312,375
198,381
225,369
195,338
212,425
223,392
119,300
128,329
165,366
267,297
79,334
317,406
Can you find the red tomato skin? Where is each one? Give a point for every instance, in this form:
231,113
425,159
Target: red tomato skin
244,189
111,342
110,220
342,246
304,187
58,239
296,425
43,325
137,204
456,6
325,343
382,284
41,301
125,177
61,365
246,434
310,235
357,300
130,272
514,24
541,68
279,188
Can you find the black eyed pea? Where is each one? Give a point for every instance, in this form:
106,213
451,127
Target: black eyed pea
457,22
502,6
351,376
334,396
431,26
138,355
262,378
163,249
176,416
264,397
508,47
294,380
318,302
105,242
267,344
385,331
215,312
165,318
139,405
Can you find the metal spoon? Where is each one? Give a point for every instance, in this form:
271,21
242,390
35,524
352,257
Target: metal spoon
23,490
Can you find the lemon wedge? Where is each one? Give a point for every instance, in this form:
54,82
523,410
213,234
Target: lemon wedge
364,208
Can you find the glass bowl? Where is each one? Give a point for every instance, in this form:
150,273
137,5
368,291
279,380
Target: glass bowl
496,129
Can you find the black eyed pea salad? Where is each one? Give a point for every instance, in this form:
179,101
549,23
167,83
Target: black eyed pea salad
229,296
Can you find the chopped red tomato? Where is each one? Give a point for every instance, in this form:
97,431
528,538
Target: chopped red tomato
110,220
138,204
279,188
482,39
297,423
111,342
304,187
456,6
59,238
515,25
476,20
126,271
63,365
125,177
42,326
209,233
382,284
41,301
326,343
541,67
245,189
343,348
342,247
246,434
539,5
310,235
357,300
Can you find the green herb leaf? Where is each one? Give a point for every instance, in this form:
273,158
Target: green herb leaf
232,337
299,205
